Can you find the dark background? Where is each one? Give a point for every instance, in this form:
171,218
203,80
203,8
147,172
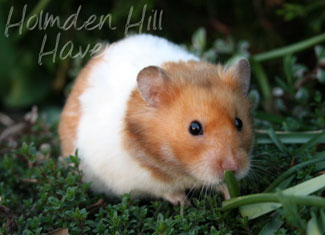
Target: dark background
262,24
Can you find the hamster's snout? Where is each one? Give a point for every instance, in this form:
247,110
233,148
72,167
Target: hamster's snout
227,159
229,164
236,161
216,161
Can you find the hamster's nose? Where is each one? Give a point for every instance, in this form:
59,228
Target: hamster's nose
229,164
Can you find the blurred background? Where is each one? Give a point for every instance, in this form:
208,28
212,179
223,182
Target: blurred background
290,87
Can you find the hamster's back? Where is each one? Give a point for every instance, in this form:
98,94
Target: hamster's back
127,57
92,119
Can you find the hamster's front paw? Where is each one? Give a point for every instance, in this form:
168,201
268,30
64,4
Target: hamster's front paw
177,198
224,190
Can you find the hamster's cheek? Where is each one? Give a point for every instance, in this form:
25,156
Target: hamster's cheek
245,165
206,168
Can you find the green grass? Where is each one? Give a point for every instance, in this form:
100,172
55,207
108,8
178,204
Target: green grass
41,193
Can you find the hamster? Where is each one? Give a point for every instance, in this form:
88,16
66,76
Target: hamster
150,119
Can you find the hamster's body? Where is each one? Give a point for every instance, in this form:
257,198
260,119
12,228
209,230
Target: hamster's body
108,116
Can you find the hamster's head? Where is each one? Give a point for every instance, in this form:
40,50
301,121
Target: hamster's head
195,117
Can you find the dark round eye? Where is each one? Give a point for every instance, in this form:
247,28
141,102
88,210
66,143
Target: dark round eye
196,128
238,124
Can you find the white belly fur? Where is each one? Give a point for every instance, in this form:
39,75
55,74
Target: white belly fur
104,161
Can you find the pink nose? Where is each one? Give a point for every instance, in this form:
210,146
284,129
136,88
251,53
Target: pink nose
229,164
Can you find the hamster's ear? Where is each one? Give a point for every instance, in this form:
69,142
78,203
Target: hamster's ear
153,85
242,72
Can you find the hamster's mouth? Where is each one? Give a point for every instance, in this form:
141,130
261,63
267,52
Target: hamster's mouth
215,179
212,164
208,171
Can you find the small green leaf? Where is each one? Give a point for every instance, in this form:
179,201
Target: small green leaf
318,96
272,227
224,46
302,95
199,40
281,84
320,53
320,75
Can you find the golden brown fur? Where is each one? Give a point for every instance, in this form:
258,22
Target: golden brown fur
72,110
198,91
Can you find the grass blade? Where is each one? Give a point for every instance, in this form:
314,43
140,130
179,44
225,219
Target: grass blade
285,183
255,210
318,158
313,227
270,117
250,204
276,140
322,219
280,52
272,227
290,211
263,81
287,65
286,137
313,141
232,184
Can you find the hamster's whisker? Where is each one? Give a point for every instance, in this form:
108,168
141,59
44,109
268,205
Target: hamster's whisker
191,189
260,170
251,177
206,190
260,154
200,192
256,149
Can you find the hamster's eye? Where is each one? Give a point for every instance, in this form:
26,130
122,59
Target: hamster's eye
196,128
238,124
